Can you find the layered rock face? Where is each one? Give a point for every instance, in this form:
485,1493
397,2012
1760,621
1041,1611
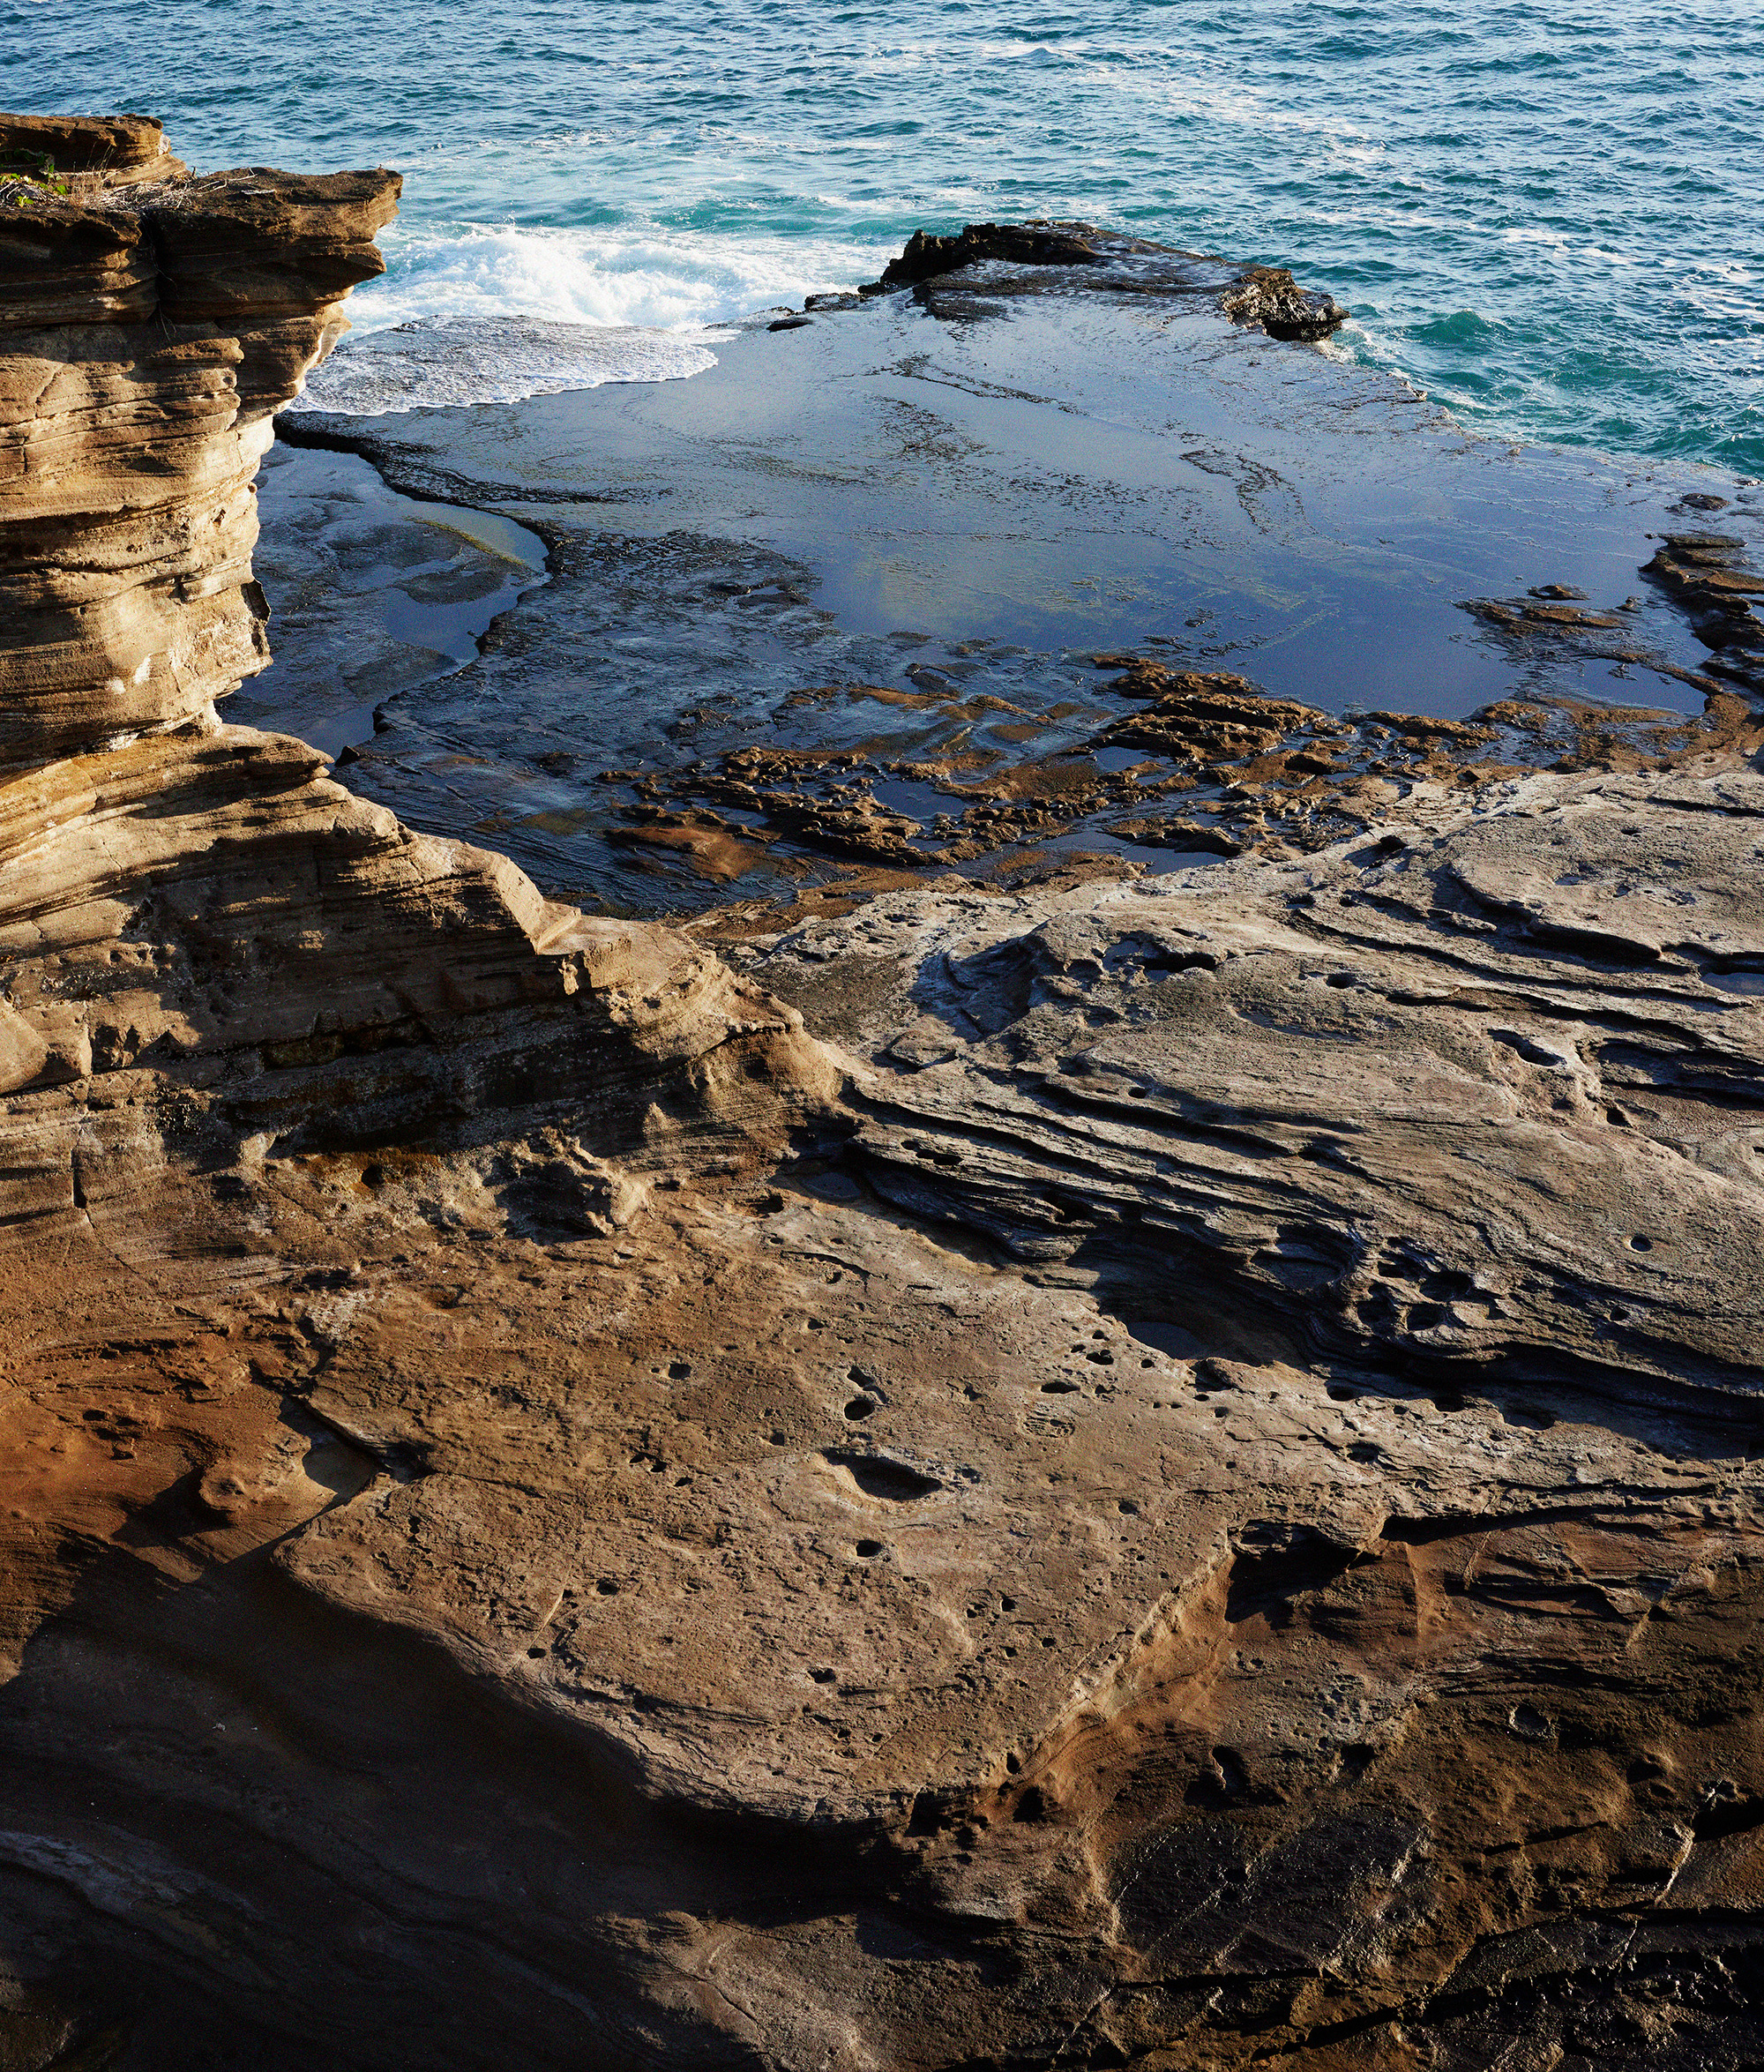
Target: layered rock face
192,904
1134,1472
151,324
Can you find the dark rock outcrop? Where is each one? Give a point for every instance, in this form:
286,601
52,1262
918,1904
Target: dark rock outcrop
927,255
1267,298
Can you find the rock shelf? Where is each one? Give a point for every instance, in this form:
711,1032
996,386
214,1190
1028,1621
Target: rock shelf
1090,1471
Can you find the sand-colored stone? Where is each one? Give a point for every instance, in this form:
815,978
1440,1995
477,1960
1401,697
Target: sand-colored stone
1124,1472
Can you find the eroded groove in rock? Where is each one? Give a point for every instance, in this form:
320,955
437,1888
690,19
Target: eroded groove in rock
1554,1165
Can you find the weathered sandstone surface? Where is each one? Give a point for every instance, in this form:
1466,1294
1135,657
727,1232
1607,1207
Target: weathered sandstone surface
196,899
1132,1472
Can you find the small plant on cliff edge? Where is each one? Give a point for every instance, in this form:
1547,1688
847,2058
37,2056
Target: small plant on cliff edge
35,167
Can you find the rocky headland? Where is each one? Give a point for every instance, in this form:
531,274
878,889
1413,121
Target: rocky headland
1104,1471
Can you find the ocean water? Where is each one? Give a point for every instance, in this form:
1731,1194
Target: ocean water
1547,218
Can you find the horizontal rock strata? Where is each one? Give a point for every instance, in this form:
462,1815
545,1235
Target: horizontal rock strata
1484,1091
86,155
148,331
1155,1473
190,912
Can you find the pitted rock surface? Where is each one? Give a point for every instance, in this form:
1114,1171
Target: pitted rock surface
1155,1472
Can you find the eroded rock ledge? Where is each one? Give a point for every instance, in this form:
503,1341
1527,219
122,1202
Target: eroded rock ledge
1150,1473
195,921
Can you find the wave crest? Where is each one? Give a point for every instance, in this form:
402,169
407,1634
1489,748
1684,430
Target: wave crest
434,363
656,277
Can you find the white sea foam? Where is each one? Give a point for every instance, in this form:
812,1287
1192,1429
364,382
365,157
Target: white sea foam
430,363
659,279
482,313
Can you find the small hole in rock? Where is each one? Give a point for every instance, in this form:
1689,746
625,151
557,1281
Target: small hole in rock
535,1654
680,1370
889,1481
1638,1243
607,1587
1529,1418
867,1549
860,1406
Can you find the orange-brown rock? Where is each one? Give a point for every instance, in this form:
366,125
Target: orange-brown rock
148,329
1148,1473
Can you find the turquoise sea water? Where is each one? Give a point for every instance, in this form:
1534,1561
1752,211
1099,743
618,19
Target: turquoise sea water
1550,220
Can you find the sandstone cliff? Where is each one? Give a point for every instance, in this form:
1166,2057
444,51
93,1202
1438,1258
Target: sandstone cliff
1151,1473
190,913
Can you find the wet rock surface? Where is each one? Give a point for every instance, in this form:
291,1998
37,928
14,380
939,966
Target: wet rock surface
1088,1468
885,548
1265,297
1706,575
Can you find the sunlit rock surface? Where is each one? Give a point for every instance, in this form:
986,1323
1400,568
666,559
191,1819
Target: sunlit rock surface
1109,1470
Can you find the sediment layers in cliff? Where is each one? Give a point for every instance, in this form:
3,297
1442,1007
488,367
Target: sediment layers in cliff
193,912
1202,1511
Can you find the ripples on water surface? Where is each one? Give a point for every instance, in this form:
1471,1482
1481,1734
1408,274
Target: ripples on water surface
1550,223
